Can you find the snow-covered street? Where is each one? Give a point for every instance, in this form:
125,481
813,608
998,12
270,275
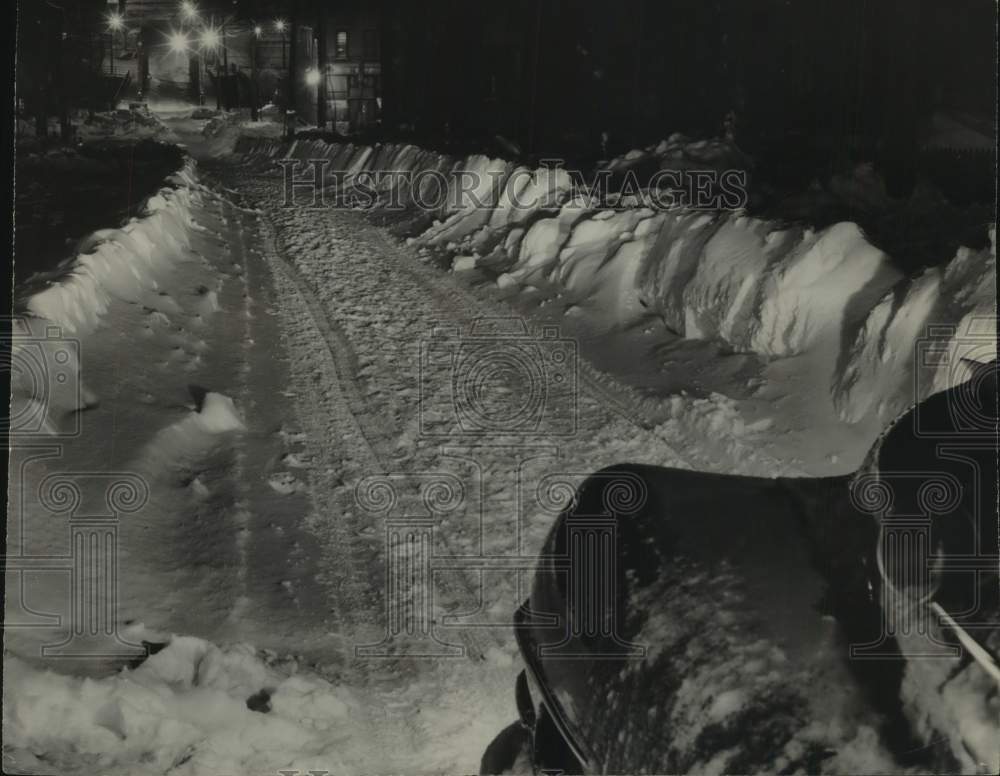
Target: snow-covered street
345,452
535,387
266,384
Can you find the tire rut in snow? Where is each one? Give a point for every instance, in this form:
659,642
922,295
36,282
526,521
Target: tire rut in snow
344,366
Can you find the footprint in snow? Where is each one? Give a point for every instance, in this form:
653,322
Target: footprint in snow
296,461
284,483
292,436
199,489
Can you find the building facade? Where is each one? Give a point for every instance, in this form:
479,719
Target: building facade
352,74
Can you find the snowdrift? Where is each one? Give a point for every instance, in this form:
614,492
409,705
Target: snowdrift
758,286
117,262
192,707
54,310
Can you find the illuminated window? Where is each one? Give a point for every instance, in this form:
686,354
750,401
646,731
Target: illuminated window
340,46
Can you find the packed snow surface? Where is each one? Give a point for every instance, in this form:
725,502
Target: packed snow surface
253,364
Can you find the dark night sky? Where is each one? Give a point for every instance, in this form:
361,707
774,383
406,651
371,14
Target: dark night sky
558,73
642,68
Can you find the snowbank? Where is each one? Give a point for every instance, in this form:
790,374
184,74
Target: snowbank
119,262
759,286
56,309
191,708
914,339
679,152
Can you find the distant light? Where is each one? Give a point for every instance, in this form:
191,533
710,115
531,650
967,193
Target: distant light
179,42
312,76
257,30
279,25
210,38
188,9
115,21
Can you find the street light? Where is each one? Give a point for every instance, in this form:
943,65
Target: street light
279,25
254,83
189,10
312,76
178,42
210,38
115,22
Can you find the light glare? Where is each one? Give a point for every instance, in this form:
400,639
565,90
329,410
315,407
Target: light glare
210,38
179,42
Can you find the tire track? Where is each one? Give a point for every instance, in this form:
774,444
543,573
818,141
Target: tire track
344,366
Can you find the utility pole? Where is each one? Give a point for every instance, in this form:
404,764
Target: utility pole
42,74
224,81
254,96
194,77
65,128
321,65
293,58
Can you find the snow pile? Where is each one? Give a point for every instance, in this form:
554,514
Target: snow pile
914,339
954,701
44,388
130,122
191,708
679,152
758,286
119,262
218,414
472,194
951,133
527,191
125,263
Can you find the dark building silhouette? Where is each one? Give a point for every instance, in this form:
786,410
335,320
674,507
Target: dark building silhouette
555,74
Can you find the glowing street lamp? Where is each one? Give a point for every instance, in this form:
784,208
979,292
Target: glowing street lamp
279,25
258,30
115,22
189,10
178,42
312,76
210,38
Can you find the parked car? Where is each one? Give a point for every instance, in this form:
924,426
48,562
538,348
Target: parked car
684,622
